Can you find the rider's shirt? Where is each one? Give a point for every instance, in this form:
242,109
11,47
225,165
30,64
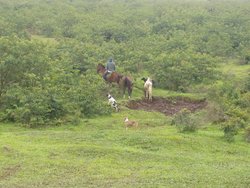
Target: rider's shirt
111,66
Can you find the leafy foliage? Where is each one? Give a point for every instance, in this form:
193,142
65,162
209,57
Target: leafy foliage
185,121
233,107
49,50
39,86
20,61
178,71
231,128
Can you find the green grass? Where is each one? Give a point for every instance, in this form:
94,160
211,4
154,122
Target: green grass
234,70
101,153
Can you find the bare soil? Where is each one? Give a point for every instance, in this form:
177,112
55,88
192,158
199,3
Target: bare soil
167,106
9,171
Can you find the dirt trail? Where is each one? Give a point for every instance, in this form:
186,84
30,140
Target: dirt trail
167,106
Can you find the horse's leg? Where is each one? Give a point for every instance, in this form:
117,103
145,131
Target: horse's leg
151,94
121,89
147,95
121,86
144,93
130,91
124,89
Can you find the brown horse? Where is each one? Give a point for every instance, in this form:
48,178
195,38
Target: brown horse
123,81
113,77
126,82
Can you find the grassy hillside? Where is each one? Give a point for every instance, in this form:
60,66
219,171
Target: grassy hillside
56,128
101,153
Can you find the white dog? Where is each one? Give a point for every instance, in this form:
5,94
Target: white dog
113,102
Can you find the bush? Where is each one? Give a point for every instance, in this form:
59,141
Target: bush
215,113
185,121
231,128
244,101
178,70
53,104
29,106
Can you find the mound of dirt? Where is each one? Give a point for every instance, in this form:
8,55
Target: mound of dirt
167,106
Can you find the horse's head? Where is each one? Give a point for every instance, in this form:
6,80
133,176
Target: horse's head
100,68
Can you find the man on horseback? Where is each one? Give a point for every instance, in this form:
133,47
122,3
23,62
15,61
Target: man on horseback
110,67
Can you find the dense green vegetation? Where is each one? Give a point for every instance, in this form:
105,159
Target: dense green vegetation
46,44
191,48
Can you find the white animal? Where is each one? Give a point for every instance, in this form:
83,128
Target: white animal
129,123
148,89
113,102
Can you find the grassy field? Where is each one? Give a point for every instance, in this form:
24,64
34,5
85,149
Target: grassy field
236,71
101,153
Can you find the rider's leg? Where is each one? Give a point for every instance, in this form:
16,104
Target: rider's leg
105,75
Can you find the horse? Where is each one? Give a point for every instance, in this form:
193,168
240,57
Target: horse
122,81
148,89
113,77
126,82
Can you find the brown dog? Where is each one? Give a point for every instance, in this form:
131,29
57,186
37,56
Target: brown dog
129,123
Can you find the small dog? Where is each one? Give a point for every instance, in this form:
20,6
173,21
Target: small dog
129,123
113,102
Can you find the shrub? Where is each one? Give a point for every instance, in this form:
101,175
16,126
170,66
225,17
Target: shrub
185,121
54,104
244,101
231,128
27,106
215,113
178,70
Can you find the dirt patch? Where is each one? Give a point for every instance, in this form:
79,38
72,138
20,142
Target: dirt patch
9,171
166,106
